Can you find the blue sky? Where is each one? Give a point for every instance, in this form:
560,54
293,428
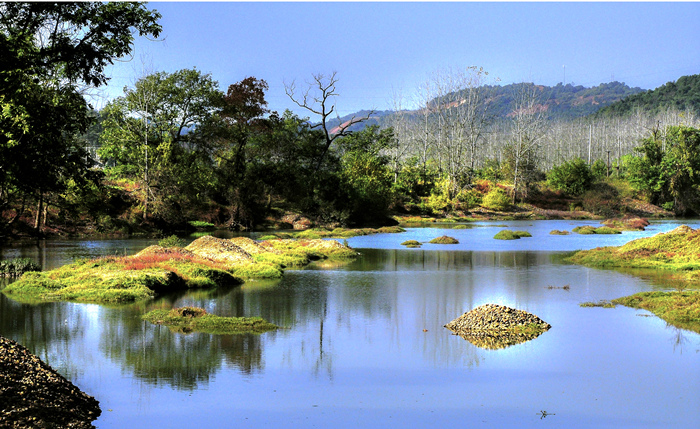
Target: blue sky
378,49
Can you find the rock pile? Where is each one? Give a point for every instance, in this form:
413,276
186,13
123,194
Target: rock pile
218,249
33,395
495,326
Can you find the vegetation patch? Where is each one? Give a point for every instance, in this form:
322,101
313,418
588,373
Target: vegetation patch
444,240
587,229
195,319
411,243
316,233
627,223
601,303
507,234
679,308
559,232
206,263
675,251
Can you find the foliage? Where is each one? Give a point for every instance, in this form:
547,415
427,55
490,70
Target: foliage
573,177
411,243
49,53
679,308
18,266
669,169
497,199
172,241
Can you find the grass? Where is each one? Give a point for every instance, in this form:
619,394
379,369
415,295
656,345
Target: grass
507,234
587,229
444,240
211,263
602,303
194,319
558,232
411,243
679,308
317,233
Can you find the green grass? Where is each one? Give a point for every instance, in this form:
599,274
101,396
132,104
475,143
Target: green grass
156,270
194,319
559,232
444,240
602,303
507,234
587,229
411,243
316,233
679,308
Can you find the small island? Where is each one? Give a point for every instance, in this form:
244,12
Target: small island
207,262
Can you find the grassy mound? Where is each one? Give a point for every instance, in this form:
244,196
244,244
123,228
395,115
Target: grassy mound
507,234
206,262
558,232
444,240
411,243
675,250
316,233
194,319
587,229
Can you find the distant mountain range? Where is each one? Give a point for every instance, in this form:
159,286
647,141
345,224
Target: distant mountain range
571,102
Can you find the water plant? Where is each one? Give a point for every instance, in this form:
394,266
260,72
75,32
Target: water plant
507,234
195,319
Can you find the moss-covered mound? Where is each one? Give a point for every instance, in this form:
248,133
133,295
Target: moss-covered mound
587,229
444,240
497,326
411,243
507,234
33,395
194,319
316,233
627,223
677,250
559,232
207,262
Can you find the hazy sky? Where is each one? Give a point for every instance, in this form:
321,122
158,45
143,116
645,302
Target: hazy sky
378,49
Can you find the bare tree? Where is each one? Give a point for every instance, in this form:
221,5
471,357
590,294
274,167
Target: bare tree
528,128
319,98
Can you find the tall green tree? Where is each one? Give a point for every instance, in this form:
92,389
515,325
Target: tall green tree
149,137
49,52
669,169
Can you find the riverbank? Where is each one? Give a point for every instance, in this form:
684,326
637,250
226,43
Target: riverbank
674,252
34,395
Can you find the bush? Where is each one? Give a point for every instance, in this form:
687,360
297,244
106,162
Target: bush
172,241
497,199
572,177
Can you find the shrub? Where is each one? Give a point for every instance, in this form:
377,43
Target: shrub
172,241
573,177
497,199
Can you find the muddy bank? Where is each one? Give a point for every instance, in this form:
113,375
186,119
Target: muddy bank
34,395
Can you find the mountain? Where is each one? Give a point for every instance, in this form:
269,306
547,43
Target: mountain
559,102
681,95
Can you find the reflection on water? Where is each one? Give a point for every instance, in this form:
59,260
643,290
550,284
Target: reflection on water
363,344
497,340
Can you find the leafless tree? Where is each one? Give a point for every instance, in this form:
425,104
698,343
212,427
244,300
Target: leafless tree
318,97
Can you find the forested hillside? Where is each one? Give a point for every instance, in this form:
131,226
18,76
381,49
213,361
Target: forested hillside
683,94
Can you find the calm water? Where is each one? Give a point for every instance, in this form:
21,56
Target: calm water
364,344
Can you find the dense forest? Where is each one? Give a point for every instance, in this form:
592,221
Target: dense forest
174,149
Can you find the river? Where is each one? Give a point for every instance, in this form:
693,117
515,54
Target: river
364,343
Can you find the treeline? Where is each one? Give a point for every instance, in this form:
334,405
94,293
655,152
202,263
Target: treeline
175,148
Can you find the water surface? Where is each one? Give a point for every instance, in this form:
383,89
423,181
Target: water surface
364,343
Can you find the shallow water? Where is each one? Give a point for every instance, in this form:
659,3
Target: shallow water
364,344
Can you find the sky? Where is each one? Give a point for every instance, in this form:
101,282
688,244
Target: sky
384,50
